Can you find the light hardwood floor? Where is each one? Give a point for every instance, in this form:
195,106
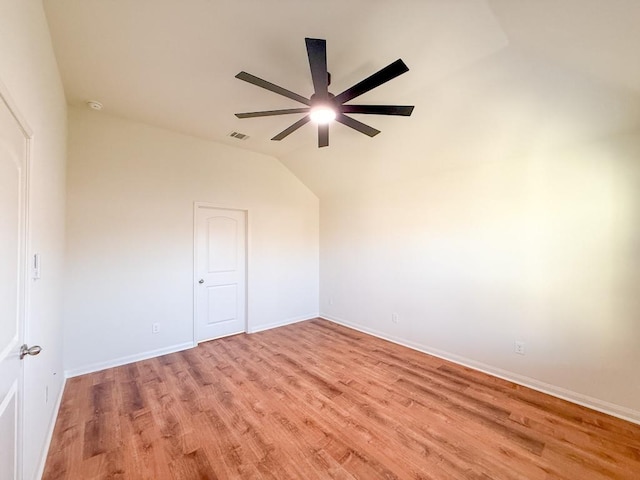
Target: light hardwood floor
316,400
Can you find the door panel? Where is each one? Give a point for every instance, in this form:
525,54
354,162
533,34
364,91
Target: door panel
223,303
222,244
9,434
9,248
13,155
220,299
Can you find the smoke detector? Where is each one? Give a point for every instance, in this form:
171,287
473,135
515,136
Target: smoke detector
93,105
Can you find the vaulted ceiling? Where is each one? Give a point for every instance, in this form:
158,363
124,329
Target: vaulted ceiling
489,79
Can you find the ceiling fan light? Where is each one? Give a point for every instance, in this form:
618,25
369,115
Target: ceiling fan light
322,114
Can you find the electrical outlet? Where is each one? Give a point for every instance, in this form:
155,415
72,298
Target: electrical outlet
155,328
330,300
394,317
519,347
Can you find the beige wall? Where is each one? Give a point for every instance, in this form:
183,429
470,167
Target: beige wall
28,70
131,194
543,248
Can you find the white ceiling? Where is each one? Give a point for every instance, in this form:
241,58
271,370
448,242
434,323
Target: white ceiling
488,78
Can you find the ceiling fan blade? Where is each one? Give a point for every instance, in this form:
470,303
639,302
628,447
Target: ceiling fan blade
269,113
317,52
356,125
292,128
247,77
404,110
389,72
323,135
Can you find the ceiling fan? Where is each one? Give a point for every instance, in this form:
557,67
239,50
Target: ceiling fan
324,107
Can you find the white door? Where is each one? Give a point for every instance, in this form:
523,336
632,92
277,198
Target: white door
13,152
221,259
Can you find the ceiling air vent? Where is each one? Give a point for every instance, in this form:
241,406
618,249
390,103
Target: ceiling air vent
239,136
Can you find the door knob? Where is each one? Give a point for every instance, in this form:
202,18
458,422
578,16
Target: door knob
24,350
201,280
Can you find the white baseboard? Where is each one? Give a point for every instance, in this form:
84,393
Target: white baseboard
288,321
96,367
586,401
49,437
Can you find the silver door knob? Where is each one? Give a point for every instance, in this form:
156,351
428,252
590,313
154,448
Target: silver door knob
201,280
25,350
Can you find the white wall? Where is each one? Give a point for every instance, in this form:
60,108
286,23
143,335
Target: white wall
29,71
131,194
543,249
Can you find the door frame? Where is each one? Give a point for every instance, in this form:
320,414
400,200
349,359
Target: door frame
247,251
25,271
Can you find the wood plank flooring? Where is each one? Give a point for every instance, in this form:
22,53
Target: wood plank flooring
315,400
